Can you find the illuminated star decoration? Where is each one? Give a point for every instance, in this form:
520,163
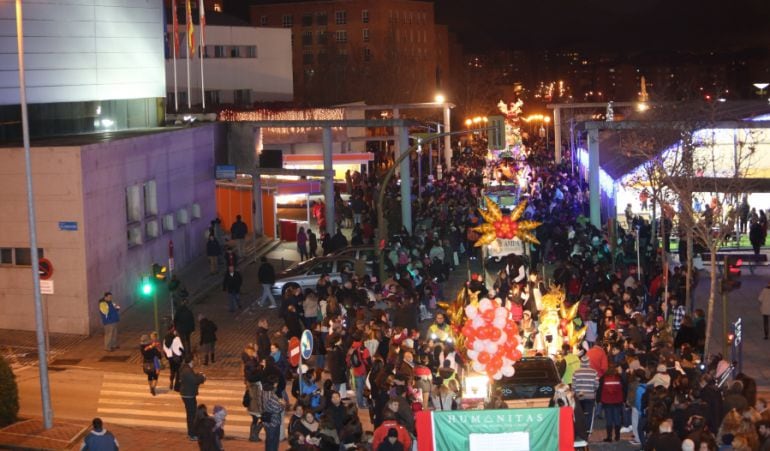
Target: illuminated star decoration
507,227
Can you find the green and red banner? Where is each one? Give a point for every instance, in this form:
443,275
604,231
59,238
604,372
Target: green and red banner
547,429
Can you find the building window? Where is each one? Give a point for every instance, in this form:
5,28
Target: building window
365,16
6,256
217,7
150,198
263,21
367,54
213,97
365,34
307,58
288,21
134,235
307,20
195,211
235,52
251,51
340,17
322,37
241,97
133,204
219,51
321,19
23,257
323,57
341,36
151,229
307,38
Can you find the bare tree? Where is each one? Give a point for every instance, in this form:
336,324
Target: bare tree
700,159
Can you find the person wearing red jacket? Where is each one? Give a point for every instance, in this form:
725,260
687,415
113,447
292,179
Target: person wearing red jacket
611,395
597,357
359,361
381,433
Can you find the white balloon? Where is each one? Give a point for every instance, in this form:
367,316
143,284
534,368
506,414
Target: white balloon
473,354
507,370
478,345
499,322
491,347
485,305
503,339
498,375
471,311
478,367
501,312
478,321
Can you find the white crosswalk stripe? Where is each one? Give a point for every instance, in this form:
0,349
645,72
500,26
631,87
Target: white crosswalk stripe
125,399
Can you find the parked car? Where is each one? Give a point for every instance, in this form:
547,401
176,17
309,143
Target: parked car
306,274
368,253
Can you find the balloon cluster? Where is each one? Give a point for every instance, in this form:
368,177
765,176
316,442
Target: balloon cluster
491,339
496,225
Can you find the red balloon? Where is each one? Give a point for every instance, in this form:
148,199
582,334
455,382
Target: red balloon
469,343
514,226
483,357
495,335
489,315
516,355
467,330
482,333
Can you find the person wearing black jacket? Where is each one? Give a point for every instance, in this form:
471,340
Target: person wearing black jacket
336,411
266,277
335,363
232,285
208,331
263,339
189,383
184,323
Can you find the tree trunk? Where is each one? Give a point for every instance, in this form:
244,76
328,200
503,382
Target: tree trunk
712,294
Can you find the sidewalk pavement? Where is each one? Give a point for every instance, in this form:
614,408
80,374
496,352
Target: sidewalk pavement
87,351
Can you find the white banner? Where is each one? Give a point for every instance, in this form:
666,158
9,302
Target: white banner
502,248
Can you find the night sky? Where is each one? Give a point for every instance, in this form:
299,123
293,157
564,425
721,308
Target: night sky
608,24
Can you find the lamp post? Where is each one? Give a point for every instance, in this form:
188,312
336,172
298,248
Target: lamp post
40,334
761,88
440,99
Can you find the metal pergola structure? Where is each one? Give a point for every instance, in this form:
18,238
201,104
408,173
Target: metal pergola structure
400,126
594,152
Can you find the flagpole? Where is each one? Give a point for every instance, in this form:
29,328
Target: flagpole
176,93
189,88
202,24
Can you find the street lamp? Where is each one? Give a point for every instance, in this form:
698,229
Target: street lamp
440,99
761,87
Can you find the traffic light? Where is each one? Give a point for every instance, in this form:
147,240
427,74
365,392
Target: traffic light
730,339
496,136
732,274
159,272
146,286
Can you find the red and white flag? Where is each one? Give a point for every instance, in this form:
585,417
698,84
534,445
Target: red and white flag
190,31
175,27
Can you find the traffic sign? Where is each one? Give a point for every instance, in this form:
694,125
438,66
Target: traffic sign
45,269
46,287
306,344
294,351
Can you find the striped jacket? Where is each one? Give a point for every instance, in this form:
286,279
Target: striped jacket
585,382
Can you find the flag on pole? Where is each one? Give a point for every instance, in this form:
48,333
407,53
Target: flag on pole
190,31
175,27
202,21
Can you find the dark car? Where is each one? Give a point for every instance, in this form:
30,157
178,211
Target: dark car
532,382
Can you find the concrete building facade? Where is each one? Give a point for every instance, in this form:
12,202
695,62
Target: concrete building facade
379,51
107,208
242,64
91,66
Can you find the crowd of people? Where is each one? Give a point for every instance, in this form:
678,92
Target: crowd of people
387,346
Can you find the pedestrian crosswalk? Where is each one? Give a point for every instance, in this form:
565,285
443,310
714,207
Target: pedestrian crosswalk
125,399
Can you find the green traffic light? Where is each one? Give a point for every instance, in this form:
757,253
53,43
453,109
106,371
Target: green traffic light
146,289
